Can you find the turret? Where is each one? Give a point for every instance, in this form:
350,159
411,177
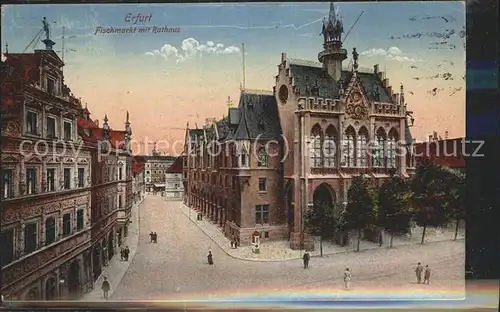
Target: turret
333,54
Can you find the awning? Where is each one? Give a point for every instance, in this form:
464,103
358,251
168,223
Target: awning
159,185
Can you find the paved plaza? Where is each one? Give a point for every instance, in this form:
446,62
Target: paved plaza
176,267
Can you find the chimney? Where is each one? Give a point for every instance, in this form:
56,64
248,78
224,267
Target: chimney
386,82
446,135
375,69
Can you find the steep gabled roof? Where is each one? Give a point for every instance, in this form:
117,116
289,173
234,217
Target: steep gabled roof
176,167
258,117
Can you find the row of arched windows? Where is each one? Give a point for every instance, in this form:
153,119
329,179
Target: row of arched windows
354,148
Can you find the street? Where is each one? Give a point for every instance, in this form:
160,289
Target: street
176,267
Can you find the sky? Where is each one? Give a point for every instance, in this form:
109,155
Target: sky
168,79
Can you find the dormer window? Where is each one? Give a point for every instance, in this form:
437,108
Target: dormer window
67,131
51,86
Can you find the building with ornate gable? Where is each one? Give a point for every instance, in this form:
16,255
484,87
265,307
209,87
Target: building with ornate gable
65,183
282,152
46,185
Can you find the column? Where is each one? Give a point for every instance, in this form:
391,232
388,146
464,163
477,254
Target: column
44,176
22,178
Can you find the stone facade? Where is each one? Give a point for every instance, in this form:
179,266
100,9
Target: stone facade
321,125
174,186
156,166
46,183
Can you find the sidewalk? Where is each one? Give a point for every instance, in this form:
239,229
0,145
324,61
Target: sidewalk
281,251
116,268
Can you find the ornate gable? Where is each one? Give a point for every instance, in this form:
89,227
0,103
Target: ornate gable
357,103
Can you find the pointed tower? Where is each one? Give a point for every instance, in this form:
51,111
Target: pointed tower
128,133
105,128
332,54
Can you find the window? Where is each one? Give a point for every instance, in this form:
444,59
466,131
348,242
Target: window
362,150
67,131
184,162
31,123
30,237
81,177
262,158
8,184
31,181
66,224
378,151
51,86
262,214
120,201
391,152
51,179
50,231
329,150
315,153
348,148
120,173
262,185
51,128
7,243
67,178
79,220
266,234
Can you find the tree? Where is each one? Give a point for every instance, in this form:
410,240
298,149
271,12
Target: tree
320,221
360,204
455,198
429,195
394,210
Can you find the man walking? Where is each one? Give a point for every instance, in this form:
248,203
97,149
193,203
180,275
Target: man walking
105,288
306,258
427,275
347,278
151,235
418,271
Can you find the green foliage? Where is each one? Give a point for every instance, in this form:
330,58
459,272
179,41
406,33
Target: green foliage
394,197
360,205
430,187
320,220
455,196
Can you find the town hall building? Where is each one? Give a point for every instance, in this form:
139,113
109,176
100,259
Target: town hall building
281,152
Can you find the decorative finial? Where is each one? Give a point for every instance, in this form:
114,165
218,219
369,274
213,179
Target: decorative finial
355,59
127,117
6,48
106,118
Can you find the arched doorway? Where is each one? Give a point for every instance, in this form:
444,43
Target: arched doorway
289,207
50,288
324,195
74,279
96,259
111,248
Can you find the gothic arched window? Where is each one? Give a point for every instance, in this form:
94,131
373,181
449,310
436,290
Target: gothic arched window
330,147
362,148
392,149
315,149
348,147
379,149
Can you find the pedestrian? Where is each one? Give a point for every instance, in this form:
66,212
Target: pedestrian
381,238
155,237
105,288
347,278
418,272
232,244
306,258
126,252
151,235
122,253
210,258
427,275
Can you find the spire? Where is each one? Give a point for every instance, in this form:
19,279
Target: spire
47,41
332,16
6,48
401,94
105,127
